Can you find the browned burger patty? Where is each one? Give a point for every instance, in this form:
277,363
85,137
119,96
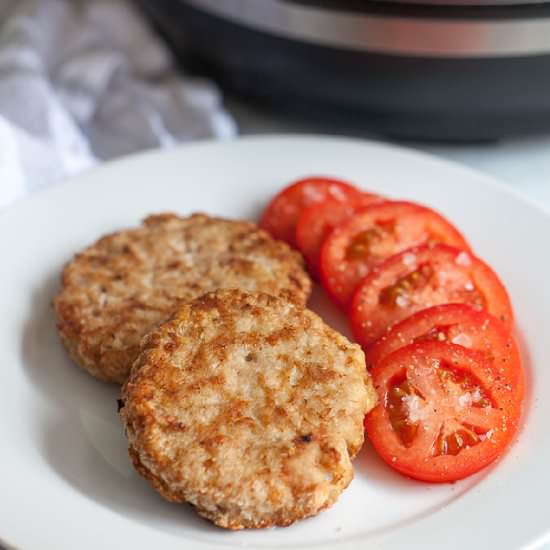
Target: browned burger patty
126,283
249,408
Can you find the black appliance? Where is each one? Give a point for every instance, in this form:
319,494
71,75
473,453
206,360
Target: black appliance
436,70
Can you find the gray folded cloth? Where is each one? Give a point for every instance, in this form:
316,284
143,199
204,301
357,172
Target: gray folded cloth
83,81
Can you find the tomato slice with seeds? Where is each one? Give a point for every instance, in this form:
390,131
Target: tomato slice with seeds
442,414
318,220
377,232
282,213
422,277
458,324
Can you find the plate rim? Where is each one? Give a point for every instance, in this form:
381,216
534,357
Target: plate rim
149,154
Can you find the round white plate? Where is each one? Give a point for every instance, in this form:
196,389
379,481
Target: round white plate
66,481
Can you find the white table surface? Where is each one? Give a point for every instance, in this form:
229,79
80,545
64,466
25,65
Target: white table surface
522,163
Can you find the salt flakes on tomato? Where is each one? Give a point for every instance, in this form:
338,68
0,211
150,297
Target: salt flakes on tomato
462,339
463,259
442,414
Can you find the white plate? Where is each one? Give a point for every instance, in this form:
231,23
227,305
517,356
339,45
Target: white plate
65,480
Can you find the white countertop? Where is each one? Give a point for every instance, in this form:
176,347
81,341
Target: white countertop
522,163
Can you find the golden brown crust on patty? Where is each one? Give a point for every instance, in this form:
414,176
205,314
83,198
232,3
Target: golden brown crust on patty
248,407
128,282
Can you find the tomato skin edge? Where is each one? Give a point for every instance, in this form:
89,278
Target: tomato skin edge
471,467
330,252
311,247
483,273
439,469
507,355
270,219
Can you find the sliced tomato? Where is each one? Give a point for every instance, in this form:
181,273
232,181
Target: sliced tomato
282,213
442,414
458,324
422,277
318,220
377,232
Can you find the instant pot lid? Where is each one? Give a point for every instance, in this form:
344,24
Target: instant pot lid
469,2
361,4
413,29
377,64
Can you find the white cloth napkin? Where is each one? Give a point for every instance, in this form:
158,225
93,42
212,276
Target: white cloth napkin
82,81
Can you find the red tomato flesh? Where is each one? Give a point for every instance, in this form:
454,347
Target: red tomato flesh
318,220
458,324
282,213
443,414
374,234
422,277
